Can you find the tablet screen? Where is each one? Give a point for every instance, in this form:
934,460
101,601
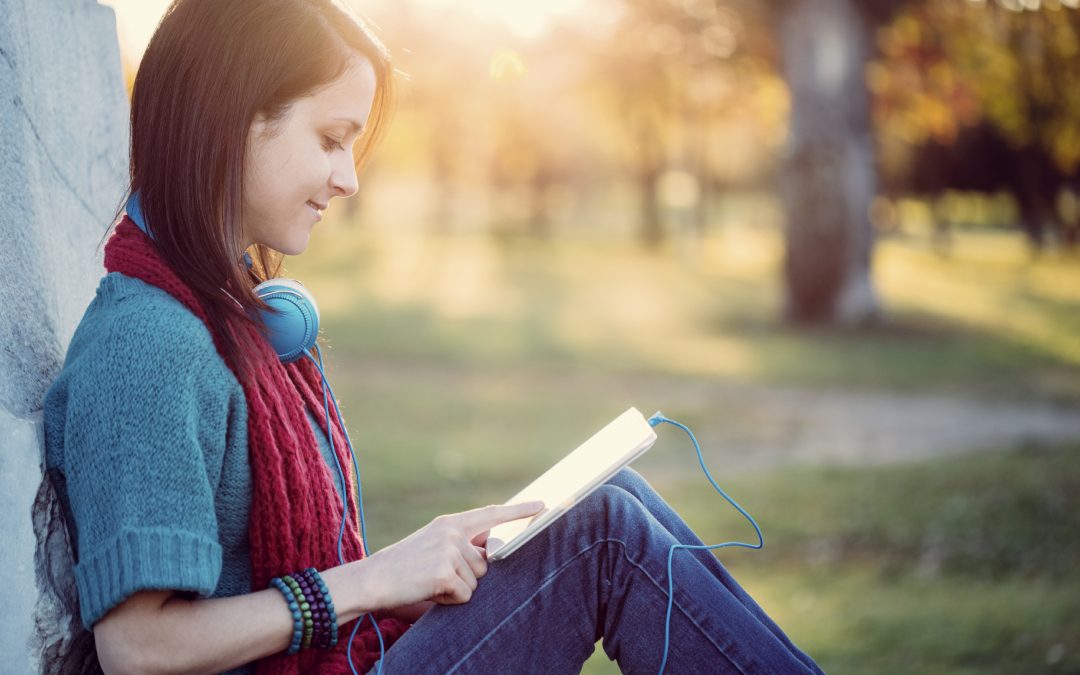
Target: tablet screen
590,465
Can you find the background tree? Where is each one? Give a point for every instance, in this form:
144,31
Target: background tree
828,176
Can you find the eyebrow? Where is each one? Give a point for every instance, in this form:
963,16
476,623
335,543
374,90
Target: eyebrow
355,126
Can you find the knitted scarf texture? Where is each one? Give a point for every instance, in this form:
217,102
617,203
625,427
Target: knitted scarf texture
295,508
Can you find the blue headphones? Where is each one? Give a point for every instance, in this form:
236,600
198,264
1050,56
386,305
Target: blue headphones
293,328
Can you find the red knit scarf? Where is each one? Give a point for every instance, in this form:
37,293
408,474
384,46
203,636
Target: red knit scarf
295,508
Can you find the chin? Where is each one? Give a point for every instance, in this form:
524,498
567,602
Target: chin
293,248
294,245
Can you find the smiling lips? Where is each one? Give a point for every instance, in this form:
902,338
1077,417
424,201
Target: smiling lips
317,208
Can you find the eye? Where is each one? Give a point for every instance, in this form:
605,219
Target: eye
330,143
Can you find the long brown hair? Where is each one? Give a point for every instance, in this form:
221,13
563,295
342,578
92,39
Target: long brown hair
210,68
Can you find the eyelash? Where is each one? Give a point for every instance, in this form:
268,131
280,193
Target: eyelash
330,144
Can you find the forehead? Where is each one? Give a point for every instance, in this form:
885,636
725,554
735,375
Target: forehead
349,96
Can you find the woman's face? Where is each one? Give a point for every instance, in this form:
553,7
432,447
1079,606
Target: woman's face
296,164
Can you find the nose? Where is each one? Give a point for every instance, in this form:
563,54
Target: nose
343,175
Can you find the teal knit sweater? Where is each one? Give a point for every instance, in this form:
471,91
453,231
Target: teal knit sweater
146,445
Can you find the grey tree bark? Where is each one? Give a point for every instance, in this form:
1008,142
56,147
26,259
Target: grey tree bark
828,179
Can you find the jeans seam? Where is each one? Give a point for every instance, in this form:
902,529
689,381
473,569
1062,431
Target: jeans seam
675,604
547,580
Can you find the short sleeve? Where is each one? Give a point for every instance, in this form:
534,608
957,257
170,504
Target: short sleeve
143,433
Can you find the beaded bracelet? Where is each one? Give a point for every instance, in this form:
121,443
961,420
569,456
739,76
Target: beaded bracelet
302,600
294,607
314,618
325,613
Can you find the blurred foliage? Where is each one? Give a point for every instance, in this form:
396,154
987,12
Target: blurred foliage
525,119
982,96
945,65
669,100
676,100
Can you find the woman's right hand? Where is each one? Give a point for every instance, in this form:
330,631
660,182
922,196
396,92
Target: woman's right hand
440,562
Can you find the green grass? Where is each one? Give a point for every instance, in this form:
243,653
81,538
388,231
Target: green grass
990,516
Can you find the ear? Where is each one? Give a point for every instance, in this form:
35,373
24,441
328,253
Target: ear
259,125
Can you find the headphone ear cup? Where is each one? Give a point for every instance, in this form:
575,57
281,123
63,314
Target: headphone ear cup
293,325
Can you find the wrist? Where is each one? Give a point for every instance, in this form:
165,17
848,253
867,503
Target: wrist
352,594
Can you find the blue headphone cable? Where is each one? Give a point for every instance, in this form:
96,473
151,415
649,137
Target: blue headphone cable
654,421
345,501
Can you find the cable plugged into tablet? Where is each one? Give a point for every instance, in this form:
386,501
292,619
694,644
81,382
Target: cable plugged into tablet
657,419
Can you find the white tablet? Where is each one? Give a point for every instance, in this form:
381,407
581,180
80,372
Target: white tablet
562,486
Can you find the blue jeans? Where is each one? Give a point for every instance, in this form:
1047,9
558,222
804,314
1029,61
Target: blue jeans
600,571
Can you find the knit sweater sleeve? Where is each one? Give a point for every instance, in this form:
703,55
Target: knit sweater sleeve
144,424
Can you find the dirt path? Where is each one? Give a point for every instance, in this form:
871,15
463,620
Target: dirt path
762,427
753,427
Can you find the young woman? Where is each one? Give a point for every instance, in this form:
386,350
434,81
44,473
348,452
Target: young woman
198,469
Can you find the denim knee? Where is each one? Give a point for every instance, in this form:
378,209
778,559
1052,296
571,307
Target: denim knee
613,509
631,481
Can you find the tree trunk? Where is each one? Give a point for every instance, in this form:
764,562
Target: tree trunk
652,230
828,177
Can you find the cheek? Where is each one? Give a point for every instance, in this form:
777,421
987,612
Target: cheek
259,176
316,164
283,173
301,171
